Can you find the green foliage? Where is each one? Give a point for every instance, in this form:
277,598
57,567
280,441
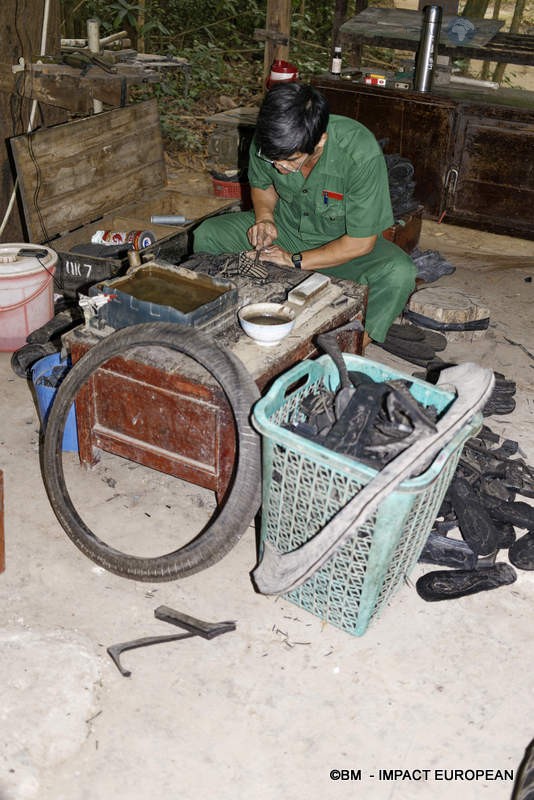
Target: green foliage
215,72
228,23
217,39
124,13
310,46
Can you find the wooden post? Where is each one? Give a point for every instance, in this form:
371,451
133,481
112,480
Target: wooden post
278,22
141,44
93,43
519,10
352,53
15,111
340,15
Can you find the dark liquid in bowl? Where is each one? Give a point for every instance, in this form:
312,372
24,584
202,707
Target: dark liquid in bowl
266,319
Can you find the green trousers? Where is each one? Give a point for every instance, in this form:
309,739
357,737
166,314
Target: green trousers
388,271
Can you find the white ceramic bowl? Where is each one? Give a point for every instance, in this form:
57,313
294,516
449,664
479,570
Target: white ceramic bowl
266,323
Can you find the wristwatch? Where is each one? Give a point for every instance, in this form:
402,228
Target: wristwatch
296,258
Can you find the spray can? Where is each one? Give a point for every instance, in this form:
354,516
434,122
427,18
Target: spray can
428,46
136,239
335,69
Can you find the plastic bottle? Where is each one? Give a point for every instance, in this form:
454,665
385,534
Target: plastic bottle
427,50
335,69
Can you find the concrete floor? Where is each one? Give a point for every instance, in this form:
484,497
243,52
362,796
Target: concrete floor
284,705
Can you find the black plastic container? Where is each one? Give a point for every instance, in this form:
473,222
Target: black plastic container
155,293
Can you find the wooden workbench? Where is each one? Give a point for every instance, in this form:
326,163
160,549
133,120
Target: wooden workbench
164,411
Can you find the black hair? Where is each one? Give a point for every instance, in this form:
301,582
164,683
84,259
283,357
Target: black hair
291,119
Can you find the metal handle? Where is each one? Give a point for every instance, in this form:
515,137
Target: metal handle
451,179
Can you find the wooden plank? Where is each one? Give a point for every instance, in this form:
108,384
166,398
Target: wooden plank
504,48
507,48
62,91
497,50
74,173
71,88
68,87
174,423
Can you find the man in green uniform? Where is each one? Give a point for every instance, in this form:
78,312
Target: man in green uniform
321,200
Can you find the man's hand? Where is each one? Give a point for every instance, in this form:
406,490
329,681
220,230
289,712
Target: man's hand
262,233
277,256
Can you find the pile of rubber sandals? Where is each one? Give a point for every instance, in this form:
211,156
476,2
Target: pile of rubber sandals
483,508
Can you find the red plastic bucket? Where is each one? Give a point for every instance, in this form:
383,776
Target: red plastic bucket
26,292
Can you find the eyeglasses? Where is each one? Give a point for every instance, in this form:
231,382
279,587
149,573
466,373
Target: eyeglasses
283,161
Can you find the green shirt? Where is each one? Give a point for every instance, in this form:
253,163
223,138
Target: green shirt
347,191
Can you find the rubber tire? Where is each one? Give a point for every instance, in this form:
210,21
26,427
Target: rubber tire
244,496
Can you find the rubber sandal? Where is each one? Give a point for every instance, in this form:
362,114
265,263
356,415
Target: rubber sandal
408,334
506,535
474,521
450,585
26,356
520,514
500,404
447,552
411,333
414,333
495,487
430,265
59,324
415,352
434,369
521,553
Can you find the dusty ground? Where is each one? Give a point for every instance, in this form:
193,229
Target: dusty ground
270,710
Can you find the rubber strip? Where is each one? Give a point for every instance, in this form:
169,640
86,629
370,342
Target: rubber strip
428,322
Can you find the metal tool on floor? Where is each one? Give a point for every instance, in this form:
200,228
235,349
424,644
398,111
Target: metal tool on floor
192,626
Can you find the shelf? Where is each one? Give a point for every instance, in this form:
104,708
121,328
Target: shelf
400,29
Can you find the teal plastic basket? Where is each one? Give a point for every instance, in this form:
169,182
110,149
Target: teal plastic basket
306,484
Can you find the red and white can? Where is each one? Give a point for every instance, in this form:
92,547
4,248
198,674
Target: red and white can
137,239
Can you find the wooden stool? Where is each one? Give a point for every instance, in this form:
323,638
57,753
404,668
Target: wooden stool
458,316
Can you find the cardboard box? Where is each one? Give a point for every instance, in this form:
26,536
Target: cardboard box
374,79
104,172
